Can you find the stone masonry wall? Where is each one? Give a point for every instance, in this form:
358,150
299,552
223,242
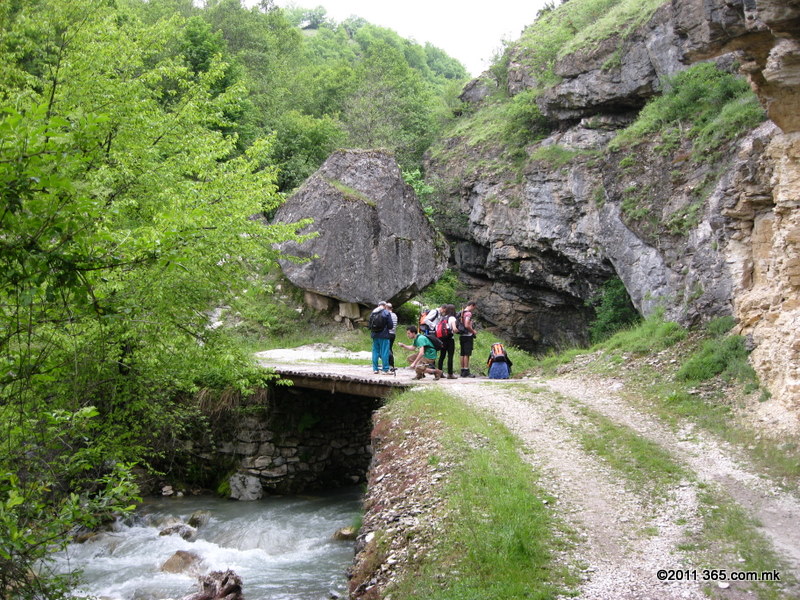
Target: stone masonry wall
296,440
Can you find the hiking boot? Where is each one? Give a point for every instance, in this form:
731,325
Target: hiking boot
437,374
420,376
451,376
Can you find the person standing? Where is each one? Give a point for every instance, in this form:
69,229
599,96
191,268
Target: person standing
424,361
467,338
379,323
444,331
432,319
392,334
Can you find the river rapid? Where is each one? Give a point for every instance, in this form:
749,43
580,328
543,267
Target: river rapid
281,547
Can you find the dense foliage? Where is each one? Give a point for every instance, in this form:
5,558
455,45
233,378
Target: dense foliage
613,311
137,140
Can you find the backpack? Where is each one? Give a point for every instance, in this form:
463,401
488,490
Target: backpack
498,353
435,341
460,324
443,329
422,316
377,321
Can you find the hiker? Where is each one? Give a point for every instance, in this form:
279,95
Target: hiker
499,363
467,336
379,323
424,361
392,334
431,320
444,331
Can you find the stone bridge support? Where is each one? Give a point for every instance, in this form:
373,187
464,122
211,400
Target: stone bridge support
293,440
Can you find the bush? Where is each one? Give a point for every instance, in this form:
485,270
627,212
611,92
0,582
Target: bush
727,357
447,290
715,105
613,309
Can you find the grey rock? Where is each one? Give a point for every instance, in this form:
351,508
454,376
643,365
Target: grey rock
245,487
185,531
182,562
375,242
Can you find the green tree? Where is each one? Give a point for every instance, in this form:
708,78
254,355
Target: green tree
125,209
392,106
302,143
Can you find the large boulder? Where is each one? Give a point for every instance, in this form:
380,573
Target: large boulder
374,241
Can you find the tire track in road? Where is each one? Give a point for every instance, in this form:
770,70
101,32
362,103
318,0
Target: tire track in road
713,461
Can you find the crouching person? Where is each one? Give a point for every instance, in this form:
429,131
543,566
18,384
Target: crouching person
424,360
499,363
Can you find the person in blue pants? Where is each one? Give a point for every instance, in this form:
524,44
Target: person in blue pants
380,338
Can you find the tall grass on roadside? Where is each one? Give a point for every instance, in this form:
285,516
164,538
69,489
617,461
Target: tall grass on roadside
500,538
719,355
651,335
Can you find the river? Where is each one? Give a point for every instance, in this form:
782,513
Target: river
281,547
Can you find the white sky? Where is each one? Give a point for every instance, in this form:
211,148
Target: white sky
467,30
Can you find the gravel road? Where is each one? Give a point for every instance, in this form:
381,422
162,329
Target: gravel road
627,535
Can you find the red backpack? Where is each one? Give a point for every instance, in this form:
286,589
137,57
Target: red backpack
443,329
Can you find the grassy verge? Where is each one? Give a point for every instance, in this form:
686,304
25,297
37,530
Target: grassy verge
501,538
644,463
728,526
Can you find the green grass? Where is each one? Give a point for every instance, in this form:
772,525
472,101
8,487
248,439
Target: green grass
651,335
500,540
708,105
728,526
644,464
726,357
580,24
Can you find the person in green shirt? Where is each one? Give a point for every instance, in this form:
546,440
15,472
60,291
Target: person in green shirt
424,360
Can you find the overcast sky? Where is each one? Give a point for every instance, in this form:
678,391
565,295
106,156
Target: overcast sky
469,31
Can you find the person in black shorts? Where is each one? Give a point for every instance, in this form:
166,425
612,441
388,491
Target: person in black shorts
468,337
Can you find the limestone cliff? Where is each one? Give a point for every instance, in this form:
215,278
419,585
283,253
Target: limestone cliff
537,231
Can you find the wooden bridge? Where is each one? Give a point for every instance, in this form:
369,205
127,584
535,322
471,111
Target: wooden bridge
334,379
298,366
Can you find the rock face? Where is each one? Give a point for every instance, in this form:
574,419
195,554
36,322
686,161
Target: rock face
375,242
534,244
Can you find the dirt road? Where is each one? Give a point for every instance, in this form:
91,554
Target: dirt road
629,533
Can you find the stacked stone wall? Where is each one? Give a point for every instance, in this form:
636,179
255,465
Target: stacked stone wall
294,440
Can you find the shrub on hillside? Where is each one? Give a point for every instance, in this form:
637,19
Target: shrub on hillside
613,309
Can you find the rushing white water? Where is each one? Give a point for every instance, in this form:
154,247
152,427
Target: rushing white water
281,548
